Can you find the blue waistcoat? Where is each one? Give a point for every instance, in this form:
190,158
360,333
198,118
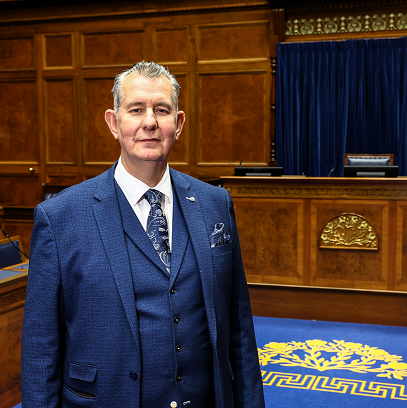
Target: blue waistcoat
176,357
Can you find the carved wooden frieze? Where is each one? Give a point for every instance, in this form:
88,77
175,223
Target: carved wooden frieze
393,22
317,192
348,231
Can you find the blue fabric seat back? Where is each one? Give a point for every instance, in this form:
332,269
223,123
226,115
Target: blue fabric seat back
9,254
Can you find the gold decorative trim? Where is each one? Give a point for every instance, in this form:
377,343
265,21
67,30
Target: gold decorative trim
349,231
347,24
318,192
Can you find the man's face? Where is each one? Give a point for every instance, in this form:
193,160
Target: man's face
147,124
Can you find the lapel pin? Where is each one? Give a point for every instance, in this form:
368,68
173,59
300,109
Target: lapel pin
192,199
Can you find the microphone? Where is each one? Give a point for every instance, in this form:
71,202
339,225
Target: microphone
12,243
333,168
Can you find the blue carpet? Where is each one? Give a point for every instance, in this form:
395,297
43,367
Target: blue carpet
322,364
309,364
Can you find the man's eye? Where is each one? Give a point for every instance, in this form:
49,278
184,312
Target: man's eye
161,110
136,110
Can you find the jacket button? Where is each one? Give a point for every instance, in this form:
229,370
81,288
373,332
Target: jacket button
172,291
133,375
176,319
179,377
178,348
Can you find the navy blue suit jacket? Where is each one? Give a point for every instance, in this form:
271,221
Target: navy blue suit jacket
80,321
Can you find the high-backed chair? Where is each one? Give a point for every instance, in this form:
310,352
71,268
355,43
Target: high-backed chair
9,254
368,159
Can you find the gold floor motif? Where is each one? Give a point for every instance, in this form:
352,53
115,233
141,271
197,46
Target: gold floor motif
337,385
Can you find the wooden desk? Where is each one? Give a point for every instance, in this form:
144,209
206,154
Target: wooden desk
12,299
281,221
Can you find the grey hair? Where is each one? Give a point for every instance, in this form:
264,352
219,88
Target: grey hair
147,70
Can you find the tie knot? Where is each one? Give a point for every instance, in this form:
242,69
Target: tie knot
153,196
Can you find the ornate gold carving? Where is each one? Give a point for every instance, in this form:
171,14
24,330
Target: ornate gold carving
347,24
348,231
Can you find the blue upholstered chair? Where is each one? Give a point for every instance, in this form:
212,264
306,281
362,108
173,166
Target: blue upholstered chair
368,159
9,254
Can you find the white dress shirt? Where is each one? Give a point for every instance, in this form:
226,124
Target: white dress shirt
134,189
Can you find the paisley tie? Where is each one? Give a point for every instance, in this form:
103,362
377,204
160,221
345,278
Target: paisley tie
157,228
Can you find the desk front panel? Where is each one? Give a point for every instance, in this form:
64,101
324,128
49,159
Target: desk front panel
282,221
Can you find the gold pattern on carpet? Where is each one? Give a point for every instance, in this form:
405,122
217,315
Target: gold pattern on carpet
336,385
336,355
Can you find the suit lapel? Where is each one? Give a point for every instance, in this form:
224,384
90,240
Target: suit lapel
195,222
179,238
108,219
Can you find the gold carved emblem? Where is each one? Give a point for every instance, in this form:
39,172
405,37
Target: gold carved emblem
348,231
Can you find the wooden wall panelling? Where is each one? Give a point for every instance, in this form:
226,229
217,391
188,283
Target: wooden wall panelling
58,51
100,147
17,54
112,48
19,127
170,46
19,189
60,123
233,89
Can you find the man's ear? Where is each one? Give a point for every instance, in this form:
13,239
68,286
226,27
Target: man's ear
180,123
111,120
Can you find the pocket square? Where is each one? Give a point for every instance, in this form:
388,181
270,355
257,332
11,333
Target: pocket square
219,236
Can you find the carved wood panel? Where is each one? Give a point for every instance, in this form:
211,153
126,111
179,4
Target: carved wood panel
349,268
244,41
232,118
19,190
100,145
180,151
17,53
271,239
401,247
11,323
59,121
19,124
58,51
120,48
171,45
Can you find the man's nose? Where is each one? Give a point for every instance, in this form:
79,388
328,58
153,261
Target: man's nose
149,120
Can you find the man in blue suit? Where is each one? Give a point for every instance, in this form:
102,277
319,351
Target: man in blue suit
136,293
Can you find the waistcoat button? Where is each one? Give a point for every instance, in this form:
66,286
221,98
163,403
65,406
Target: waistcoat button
173,404
179,377
176,319
133,375
178,348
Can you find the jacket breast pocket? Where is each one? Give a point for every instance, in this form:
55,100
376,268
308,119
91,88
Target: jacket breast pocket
222,250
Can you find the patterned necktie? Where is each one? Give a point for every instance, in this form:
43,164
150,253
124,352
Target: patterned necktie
157,228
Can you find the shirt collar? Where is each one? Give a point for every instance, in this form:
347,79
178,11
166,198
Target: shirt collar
134,189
